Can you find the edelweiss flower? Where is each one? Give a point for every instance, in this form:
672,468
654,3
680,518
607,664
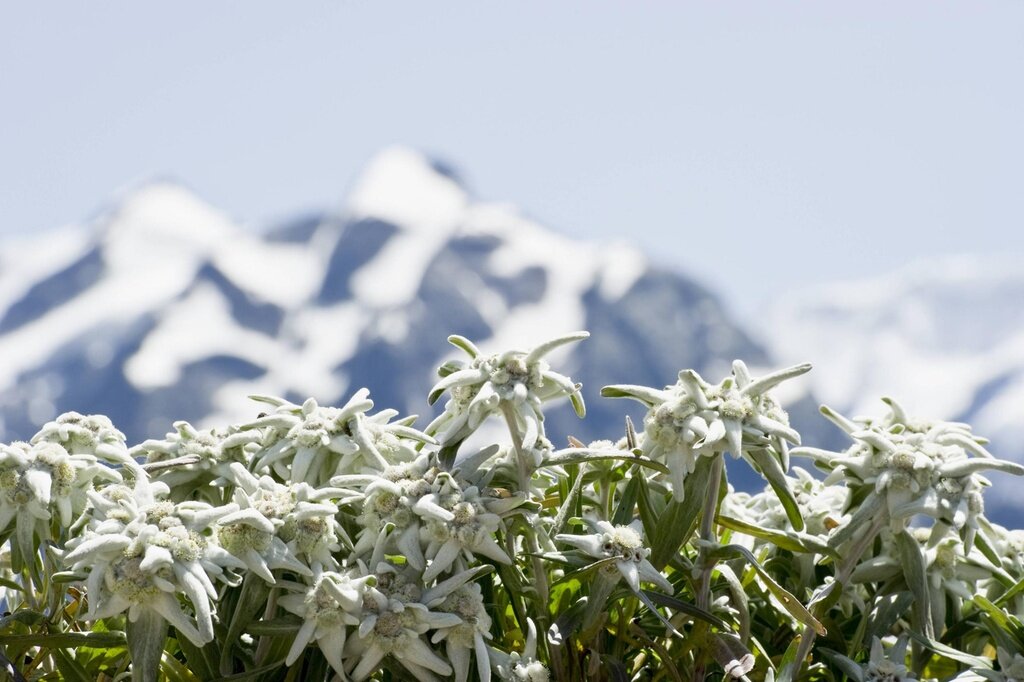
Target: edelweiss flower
38,480
396,615
312,443
330,606
276,523
625,545
468,528
517,380
86,435
913,467
879,667
466,638
694,418
140,551
522,667
190,460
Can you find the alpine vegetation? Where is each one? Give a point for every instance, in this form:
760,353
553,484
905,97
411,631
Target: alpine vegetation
322,543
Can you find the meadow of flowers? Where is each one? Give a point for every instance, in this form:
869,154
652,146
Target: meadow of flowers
316,543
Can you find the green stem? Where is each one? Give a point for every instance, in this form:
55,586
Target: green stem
525,468
707,535
843,573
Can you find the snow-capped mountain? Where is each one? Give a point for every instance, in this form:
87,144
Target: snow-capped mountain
945,337
163,308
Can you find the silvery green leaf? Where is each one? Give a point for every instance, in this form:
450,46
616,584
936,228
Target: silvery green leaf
465,344
543,349
915,573
771,469
849,667
580,455
146,644
788,601
647,396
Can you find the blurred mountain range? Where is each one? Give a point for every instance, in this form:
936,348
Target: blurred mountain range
162,308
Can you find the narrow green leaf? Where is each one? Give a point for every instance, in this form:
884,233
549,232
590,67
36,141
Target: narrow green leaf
915,573
465,344
67,640
648,396
677,523
670,602
949,652
789,541
253,674
175,670
580,455
624,512
789,602
848,667
771,469
277,627
70,669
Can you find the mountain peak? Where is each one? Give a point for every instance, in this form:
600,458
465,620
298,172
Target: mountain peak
163,217
404,187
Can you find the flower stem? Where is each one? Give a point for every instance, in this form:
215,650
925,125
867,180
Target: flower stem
708,537
525,469
843,573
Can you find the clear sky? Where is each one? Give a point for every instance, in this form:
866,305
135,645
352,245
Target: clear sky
762,146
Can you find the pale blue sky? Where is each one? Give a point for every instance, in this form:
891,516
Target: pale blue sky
760,146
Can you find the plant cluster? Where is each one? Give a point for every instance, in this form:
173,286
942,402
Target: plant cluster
317,543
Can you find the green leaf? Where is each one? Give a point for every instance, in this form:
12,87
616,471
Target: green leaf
283,625
465,344
915,573
70,669
771,469
789,541
252,597
677,523
789,602
648,396
788,665
670,602
175,670
950,652
624,512
253,674
580,455
67,640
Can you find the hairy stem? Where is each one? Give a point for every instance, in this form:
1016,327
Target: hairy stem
525,468
708,537
843,573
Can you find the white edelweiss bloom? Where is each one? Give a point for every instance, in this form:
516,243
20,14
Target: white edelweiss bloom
139,552
516,380
277,523
911,467
693,418
521,667
397,503
92,434
329,607
891,668
39,480
311,443
625,545
463,640
469,530
189,460
397,614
